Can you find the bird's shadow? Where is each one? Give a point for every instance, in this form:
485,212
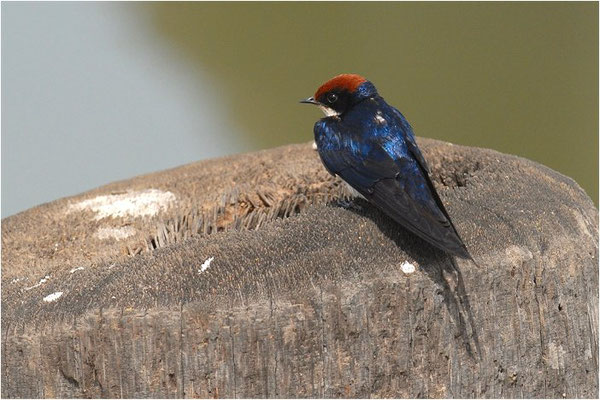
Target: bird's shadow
439,267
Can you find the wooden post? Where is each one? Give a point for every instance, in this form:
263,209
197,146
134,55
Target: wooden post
247,277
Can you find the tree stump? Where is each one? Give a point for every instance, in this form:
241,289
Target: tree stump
258,275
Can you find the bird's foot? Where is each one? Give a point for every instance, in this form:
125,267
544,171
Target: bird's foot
349,204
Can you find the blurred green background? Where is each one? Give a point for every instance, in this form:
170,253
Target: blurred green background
94,92
521,78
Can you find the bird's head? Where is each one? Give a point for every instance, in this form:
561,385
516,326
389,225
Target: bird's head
340,93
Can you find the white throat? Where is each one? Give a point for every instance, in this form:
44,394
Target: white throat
329,112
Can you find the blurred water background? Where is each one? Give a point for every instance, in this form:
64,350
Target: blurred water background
96,92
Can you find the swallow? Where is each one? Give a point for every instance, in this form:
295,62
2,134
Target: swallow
371,146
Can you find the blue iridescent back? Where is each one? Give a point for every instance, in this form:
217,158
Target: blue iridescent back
372,147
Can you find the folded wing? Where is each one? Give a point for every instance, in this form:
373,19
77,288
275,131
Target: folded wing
393,175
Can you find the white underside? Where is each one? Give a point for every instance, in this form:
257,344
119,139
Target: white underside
353,191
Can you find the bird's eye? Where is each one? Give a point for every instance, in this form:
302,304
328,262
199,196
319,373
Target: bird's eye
332,98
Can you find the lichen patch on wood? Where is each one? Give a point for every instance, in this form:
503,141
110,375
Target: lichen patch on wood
130,204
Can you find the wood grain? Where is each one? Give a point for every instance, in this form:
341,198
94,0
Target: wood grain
312,301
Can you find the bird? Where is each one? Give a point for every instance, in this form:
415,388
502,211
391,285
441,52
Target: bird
371,146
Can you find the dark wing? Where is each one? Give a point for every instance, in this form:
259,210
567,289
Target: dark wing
416,153
388,175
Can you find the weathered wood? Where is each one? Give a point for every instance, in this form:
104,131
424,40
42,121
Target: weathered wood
303,296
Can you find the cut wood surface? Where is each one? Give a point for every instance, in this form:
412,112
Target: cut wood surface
258,275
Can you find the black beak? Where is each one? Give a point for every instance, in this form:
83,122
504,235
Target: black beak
310,100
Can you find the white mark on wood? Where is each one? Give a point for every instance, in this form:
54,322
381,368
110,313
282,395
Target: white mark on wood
76,269
134,204
582,225
407,267
588,352
205,265
314,145
15,280
40,283
556,356
518,253
115,233
53,297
